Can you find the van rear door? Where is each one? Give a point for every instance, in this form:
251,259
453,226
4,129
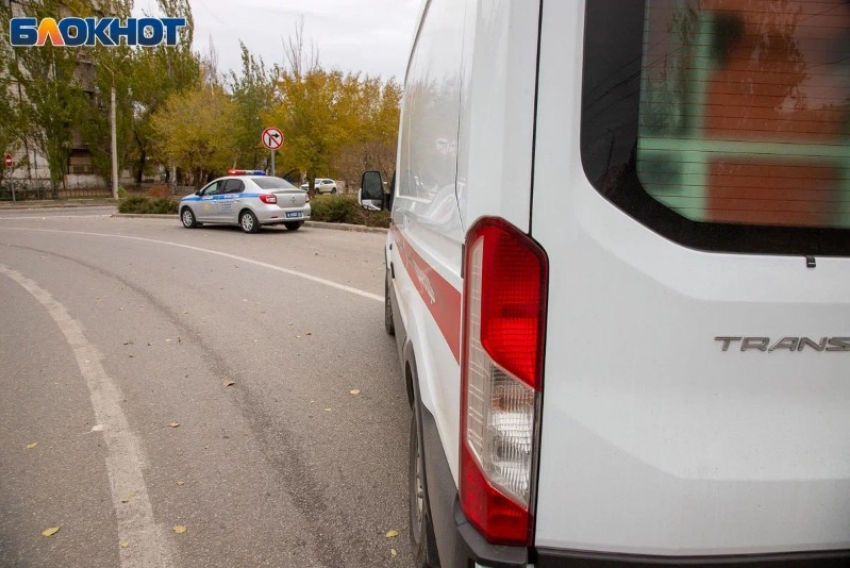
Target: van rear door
693,198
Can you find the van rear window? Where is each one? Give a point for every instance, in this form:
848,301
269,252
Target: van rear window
723,124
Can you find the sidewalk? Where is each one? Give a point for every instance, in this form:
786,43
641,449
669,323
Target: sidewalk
58,204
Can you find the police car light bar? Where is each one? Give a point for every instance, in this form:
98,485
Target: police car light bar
246,172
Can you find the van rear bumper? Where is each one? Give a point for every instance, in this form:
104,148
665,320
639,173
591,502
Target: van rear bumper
460,544
487,555
562,559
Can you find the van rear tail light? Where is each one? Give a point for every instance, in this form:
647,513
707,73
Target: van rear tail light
506,282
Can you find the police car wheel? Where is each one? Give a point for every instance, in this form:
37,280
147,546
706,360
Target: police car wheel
188,218
248,222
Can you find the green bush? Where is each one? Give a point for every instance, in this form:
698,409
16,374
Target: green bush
162,207
345,209
143,206
334,209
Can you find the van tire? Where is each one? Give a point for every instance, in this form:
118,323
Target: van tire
389,324
422,539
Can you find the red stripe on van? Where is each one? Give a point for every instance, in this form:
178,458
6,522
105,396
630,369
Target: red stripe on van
442,299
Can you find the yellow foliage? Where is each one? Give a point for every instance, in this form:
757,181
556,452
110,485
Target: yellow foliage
195,128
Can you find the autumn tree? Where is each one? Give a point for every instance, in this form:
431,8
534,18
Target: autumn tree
51,81
112,67
253,93
335,123
374,139
158,73
194,129
11,133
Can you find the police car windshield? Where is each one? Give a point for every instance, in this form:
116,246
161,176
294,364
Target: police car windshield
272,183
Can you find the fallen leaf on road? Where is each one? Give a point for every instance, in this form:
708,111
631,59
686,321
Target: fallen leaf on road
175,424
181,483
128,343
393,552
355,392
229,383
308,334
125,501
168,341
51,531
392,534
328,410
32,446
125,544
179,529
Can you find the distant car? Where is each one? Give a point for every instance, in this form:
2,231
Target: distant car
247,199
323,185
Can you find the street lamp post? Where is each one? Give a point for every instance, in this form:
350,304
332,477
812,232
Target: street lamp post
114,129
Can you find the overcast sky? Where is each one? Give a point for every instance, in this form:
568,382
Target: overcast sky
372,36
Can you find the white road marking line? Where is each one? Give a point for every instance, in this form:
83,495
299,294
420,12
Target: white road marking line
124,458
311,278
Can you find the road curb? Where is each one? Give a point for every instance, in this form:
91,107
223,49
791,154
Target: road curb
145,216
311,224
345,227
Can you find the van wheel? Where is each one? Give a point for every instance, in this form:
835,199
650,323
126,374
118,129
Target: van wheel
389,324
422,538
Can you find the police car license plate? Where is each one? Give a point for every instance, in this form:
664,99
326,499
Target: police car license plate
294,215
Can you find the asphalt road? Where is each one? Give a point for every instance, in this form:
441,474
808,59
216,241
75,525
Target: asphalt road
118,340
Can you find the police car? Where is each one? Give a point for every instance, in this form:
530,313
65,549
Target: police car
248,199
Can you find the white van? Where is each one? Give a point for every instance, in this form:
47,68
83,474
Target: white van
618,276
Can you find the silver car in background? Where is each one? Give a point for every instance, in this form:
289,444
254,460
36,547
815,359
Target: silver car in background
248,199
323,185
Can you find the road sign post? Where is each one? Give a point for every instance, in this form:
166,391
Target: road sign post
272,140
